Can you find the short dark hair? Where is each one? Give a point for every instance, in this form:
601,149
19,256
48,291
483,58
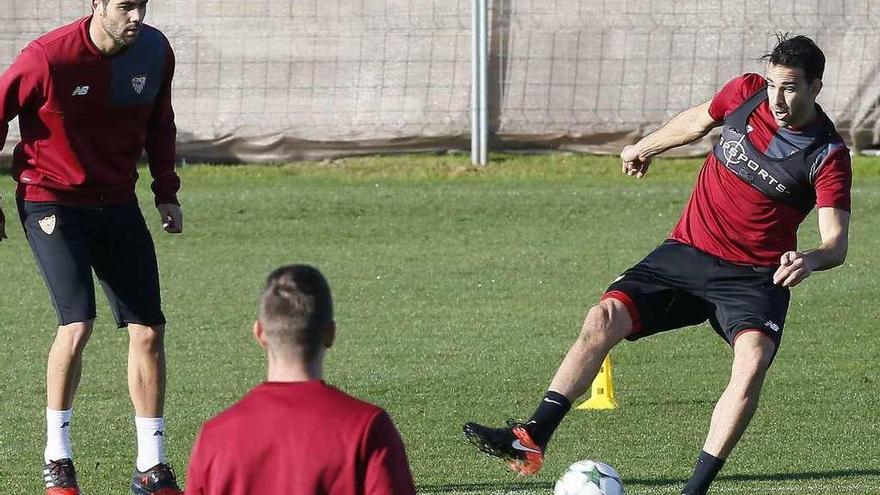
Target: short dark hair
799,52
295,307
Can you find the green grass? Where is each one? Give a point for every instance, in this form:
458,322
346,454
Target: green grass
458,291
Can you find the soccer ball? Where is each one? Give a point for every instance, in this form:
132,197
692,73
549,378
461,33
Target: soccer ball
589,478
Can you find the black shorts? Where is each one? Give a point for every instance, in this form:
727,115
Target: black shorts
677,285
69,241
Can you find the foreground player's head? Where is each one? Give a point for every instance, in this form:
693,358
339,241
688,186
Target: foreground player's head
120,20
295,323
794,79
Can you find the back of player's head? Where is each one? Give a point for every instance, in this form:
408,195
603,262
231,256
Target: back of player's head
798,52
295,310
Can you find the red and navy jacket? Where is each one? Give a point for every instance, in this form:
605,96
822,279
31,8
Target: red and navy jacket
86,117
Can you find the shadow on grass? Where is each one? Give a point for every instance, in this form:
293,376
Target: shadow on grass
810,475
511,487
526,486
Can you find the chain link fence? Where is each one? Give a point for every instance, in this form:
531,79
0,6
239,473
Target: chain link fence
262,80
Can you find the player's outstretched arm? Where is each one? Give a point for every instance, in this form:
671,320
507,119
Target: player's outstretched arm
795,266
684,128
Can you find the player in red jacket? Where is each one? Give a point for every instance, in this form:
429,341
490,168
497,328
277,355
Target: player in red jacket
90,97
294,433
731,259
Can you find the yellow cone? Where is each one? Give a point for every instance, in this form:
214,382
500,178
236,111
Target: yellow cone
602,393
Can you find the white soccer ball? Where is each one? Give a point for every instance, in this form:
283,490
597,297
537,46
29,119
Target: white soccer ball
589,478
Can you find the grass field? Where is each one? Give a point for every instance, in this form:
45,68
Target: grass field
457,293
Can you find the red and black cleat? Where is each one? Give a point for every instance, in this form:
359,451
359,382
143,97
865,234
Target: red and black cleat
158,480
512,444
60,478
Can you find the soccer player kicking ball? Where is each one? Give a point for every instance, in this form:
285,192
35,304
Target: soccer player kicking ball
91,97
732,257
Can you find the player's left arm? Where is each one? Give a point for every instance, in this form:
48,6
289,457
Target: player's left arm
833,186
161,151
387,468
795,266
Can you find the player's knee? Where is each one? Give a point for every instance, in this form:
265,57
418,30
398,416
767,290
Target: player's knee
753,352
74,336
751,368
148,338
752,357
605,322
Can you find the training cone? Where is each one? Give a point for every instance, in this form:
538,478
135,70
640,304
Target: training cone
602,391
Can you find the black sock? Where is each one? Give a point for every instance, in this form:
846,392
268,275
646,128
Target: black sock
547,417
704,473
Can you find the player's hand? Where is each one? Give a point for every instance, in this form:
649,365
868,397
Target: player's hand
793,269
633,164
172,217
2,225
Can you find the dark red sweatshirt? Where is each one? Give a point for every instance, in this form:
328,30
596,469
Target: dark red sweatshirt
85,117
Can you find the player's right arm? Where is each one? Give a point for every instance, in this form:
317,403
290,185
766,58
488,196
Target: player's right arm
684,128
21,86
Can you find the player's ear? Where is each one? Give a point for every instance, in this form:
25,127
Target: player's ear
260,335
329,334
815,87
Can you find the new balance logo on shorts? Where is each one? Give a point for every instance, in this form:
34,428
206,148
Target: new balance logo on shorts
771,325
80,91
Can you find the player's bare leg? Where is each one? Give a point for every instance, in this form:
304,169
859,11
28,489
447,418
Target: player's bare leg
753,352
752,355
63,372
146,384
146,369
606,324
64,367
522,445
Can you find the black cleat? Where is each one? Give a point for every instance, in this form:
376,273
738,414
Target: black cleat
158,480
512,444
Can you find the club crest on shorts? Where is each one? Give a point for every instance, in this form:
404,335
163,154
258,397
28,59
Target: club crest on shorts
138,83
47,224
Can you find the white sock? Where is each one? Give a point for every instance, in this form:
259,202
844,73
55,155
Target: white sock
151,442
58,435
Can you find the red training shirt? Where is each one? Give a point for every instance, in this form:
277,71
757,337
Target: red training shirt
732,220
299,438
86,117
